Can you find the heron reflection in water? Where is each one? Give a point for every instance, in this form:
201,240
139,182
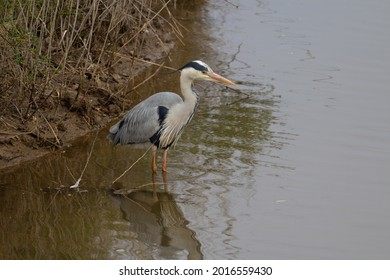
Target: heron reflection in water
161,118
158,225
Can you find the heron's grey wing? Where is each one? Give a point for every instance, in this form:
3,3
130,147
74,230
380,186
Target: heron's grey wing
144,120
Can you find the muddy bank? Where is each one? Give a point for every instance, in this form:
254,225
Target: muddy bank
80,85
83,107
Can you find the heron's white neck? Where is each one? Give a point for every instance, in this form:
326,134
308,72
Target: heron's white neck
190,97
180,114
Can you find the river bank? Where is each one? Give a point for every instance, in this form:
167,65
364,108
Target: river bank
54,92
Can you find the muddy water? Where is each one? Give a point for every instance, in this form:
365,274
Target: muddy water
293,163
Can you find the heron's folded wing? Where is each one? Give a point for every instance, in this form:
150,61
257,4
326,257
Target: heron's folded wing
144,120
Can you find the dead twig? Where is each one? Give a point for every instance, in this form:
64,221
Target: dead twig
76,185
146,24
128,169
140,60
147,79
51,128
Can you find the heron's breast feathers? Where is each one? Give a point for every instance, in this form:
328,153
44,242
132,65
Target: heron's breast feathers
172,127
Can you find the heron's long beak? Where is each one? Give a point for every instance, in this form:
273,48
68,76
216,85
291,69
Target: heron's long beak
219,78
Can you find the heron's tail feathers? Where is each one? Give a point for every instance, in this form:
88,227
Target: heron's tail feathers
113,133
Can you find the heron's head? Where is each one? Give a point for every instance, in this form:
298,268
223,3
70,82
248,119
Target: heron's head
199,70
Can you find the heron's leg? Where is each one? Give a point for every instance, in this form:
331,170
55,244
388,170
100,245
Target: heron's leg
164,162
154,165
154,182
165,180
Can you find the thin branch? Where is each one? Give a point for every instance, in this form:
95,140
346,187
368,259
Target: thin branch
146,24
51,128
147,79
140,60
76,185
141,157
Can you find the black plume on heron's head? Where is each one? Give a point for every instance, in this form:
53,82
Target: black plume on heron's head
197,65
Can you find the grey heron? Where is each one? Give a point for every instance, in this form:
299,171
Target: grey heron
161,118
